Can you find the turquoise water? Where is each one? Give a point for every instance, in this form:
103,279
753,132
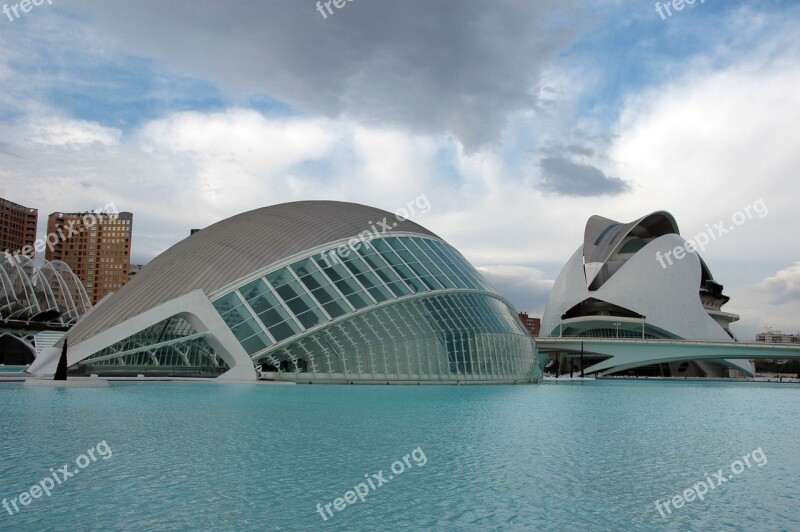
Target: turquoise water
566,456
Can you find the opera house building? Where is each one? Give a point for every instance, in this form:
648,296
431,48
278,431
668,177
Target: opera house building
627,281
307,292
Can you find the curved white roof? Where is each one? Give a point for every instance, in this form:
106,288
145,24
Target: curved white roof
602,236
234,248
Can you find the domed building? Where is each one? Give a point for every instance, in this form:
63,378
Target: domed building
640,280
309,292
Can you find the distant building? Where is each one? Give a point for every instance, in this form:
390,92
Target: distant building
17,227
97,246
778,337
135,268
532,324
623,281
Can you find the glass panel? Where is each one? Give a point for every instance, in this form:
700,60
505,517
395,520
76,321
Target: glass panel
386,273
226,306
413,263
427,246
345,283
368,279
303,268
438,248
320,288
269,310
468,270
283,330
392,258
413,244
279,277
410,278
290,290
306,311
242,323
387,252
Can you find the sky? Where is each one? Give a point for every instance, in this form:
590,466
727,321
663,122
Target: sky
516,120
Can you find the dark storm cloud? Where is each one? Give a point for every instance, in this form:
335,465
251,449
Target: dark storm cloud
461,66
564,177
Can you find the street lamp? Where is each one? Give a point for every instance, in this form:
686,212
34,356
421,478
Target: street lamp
617,324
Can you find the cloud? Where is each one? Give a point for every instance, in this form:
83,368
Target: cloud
7,149
524,286
714,141
60,132
458,66
784,286
562,176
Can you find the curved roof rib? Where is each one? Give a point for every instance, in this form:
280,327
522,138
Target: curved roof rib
31,293
602,237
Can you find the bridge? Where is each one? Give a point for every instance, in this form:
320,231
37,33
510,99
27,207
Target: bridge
628,353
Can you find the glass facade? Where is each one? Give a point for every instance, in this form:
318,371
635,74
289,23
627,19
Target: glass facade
435,317
171,347
458,336
395,309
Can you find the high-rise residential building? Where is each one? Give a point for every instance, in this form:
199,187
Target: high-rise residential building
532,324
97,246
17,227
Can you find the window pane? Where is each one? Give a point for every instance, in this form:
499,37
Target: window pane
284,330
413,245
410,278
241,323
279,277
316,283
427,246
387,274
345,283
368,279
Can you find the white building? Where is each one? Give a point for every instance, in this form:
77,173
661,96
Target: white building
641,280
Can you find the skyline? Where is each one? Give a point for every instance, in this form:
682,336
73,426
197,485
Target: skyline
513,120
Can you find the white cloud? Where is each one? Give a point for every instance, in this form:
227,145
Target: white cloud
709,144
75,133
784,286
